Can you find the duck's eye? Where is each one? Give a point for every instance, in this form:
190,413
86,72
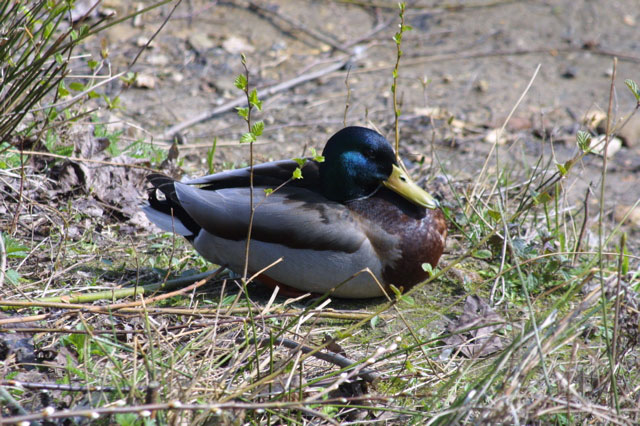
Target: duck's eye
369,153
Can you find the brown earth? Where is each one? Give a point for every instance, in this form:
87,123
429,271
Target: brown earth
479,58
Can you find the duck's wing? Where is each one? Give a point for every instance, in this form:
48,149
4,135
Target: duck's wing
291,216
270,174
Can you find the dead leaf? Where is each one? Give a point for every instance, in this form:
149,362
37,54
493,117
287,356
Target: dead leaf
332,345
480,341
16,343
111,190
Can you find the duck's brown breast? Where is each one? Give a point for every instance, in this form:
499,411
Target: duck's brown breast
419,236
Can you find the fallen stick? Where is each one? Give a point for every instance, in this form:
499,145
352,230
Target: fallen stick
264,93
72,300
333,358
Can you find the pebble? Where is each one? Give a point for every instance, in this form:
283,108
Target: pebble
481,86
494,136
629,20
236,45
630,133
159,60
201,41
143,41
570,72
597,145
145,81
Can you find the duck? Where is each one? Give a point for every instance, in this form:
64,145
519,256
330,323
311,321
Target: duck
353,225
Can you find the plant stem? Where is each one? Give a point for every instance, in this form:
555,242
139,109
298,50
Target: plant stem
394,87
603,298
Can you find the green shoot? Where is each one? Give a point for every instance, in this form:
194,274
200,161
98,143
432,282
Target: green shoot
397,38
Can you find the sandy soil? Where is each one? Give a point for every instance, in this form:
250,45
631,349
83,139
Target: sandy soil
479,58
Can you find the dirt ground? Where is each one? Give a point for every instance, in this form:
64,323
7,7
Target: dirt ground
478,57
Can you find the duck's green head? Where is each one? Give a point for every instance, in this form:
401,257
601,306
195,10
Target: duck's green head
357,161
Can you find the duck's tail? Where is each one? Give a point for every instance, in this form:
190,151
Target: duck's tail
165,210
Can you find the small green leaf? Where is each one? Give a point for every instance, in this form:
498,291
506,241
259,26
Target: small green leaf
374,321
633,86
568,165
257,128
62,90
112,103
408,300
563,171
316,157
76,86
482,254
129,78
59,58
13,248
427,268
583,140
93,94
53,114
542,198
253,99
241,82
297,173
409,366
247,138
48,29
494,214
91,63
300,161
268,191
83,30
243,112
395,290
406,28
12,276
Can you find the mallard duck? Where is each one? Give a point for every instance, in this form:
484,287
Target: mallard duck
357,209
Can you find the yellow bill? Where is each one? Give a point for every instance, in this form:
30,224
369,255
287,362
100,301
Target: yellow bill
402,184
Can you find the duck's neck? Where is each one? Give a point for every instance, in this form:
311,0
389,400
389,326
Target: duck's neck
343,181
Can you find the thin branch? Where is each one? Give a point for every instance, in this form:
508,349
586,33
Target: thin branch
272,12
3,259
339,360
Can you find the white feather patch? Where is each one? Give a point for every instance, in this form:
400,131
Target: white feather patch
307,270
166,222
